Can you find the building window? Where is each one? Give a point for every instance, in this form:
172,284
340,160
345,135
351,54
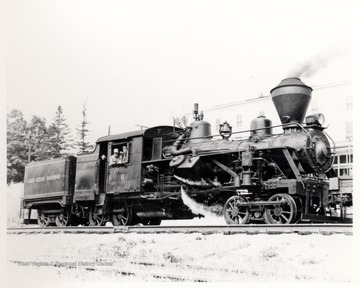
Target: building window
239,121
343,159
349,102
343,172
217,124
349,128
343,164
314,107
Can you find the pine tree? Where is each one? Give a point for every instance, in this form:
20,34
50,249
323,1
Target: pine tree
59,135
17,146
31,141
83,145
39,139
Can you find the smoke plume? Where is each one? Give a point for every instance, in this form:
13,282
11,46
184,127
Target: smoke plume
309,68
198,208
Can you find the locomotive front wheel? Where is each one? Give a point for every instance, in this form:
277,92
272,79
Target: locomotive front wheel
63,219
235,214
43,220
95,219
122,216
281,213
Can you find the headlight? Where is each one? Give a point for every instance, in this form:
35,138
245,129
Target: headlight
316,119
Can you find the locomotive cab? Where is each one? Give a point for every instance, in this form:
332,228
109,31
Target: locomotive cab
136,171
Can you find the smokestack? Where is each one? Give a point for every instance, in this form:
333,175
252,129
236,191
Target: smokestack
291,99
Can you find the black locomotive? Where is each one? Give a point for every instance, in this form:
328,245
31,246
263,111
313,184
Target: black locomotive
279,178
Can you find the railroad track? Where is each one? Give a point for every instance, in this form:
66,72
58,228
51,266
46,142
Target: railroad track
227,230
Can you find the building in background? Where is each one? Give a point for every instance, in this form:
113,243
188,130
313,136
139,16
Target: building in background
334,100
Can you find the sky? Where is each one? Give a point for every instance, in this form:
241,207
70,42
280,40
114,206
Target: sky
143,62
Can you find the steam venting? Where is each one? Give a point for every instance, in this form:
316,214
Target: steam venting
309,68
291,99
210,213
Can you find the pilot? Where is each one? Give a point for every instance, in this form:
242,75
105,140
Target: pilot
115,158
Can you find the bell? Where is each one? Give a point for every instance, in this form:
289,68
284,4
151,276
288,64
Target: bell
225,130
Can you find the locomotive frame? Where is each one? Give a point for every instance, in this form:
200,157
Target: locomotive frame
279,179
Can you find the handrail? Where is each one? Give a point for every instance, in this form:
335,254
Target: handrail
334,149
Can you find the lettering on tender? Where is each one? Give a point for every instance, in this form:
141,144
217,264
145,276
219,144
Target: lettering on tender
43,179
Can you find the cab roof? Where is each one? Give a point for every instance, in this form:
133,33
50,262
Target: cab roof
146,132
121,136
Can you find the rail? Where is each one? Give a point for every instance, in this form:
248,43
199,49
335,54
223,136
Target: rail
227,230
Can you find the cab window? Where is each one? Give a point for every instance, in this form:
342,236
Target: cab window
119,154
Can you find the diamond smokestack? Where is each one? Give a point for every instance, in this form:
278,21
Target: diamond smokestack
291,99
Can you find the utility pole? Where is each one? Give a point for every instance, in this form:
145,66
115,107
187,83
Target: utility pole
29,151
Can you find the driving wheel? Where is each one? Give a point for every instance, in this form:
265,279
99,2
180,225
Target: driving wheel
95,219
282,213
122,216
234,213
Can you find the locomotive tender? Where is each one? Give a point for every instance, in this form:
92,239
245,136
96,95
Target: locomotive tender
278,179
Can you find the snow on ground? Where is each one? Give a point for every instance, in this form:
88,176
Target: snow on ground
145,257
216,257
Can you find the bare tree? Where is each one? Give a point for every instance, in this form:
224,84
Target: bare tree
181,122
83,145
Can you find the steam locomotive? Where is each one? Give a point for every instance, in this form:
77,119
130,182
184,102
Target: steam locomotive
274,178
